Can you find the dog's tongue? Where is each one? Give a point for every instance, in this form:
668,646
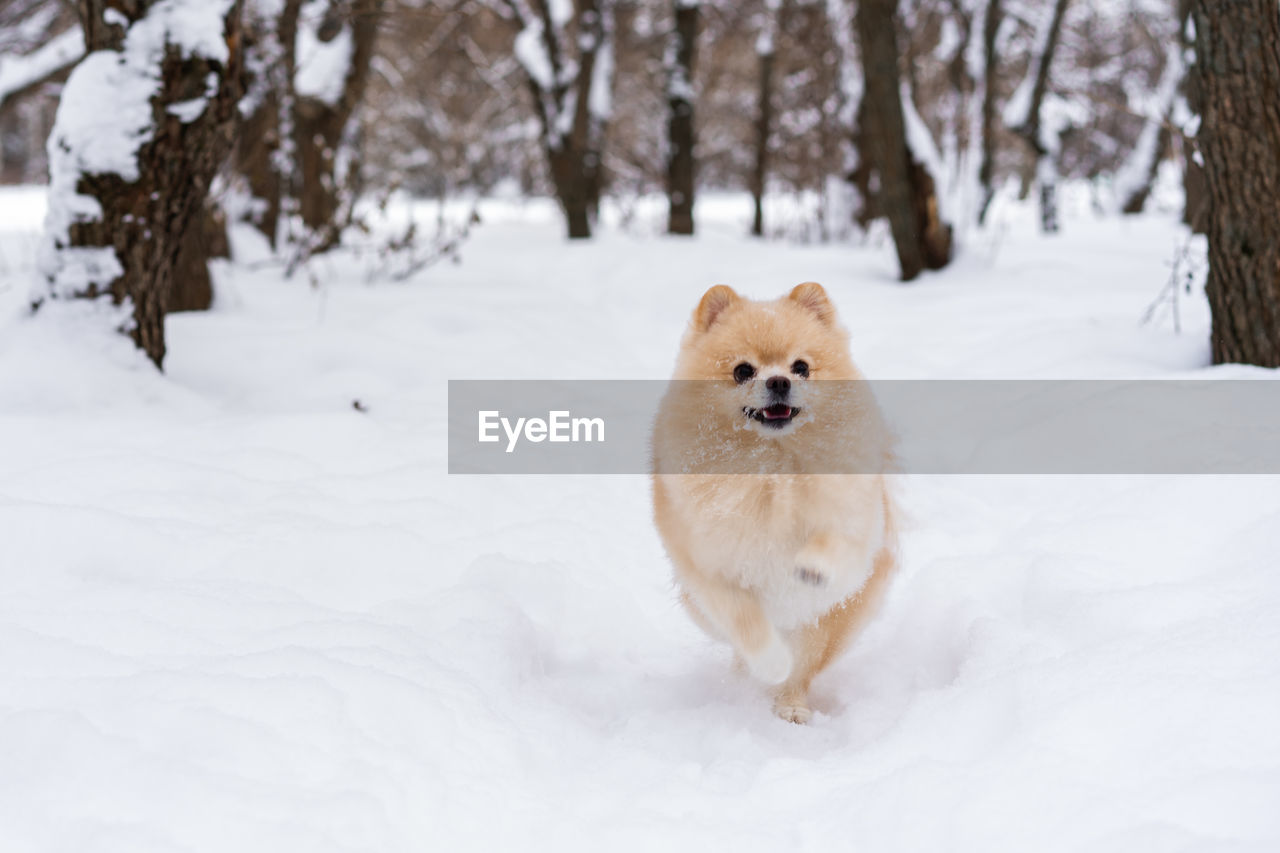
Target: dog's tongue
776,412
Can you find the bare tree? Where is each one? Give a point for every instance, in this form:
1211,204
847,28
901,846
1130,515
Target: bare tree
990,119
907,193
567,54
1137,175
1238,62
1031,130
680,129
263,154
311,62
335,49
144,123
767,51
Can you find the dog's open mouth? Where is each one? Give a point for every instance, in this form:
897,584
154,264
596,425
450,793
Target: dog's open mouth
777,415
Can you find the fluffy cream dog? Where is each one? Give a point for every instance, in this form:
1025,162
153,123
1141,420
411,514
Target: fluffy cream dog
770,485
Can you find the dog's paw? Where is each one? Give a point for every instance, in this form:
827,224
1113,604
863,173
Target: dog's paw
816,561
772,664
812,577
793,713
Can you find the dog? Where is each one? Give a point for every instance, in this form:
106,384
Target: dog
772,486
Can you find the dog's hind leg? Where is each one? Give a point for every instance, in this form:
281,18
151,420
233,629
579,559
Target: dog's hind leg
733,613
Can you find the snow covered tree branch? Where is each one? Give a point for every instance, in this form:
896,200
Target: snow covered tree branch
20,73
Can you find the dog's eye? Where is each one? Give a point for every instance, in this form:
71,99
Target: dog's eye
743,372
800,368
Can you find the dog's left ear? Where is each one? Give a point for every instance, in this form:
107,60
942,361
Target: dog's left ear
812,297
713,304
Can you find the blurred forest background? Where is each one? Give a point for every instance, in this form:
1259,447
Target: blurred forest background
294,115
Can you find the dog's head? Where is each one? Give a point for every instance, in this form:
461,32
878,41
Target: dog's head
765,356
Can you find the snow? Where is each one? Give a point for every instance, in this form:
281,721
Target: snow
19,72
600,94
104,116
188,111
240,614
322,66
532,55
561,12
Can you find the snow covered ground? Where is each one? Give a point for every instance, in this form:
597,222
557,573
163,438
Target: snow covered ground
237,613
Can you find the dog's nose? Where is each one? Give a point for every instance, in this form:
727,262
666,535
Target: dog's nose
779,385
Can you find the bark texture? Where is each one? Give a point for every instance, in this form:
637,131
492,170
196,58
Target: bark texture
1238,64
906,194
147,221
680,132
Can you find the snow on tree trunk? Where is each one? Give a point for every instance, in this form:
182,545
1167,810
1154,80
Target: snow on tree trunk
143,124
680,131
907,193
566,51
1238,64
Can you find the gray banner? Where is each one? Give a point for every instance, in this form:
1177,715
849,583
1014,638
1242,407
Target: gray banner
938,427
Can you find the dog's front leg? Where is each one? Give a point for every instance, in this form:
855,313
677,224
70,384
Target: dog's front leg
737,615
829,554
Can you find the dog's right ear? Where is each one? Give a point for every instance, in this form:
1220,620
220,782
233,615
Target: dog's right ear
713,303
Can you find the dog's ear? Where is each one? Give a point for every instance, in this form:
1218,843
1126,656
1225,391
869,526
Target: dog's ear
813,298
713,303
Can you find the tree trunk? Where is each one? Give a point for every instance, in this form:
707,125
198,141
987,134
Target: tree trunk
261,139
571,182
568,67
767,50
1045,166
205,239
680,134
1238,60
990,126
144,217
906,193
319,124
